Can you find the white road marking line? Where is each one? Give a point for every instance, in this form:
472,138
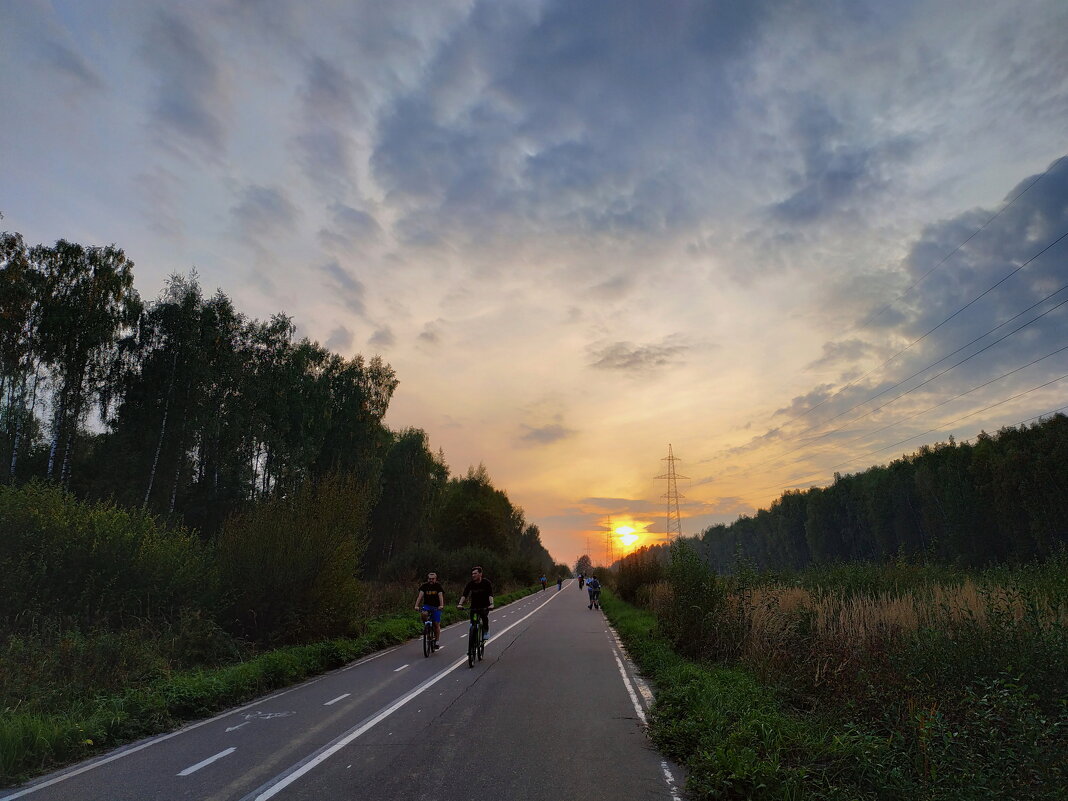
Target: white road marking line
398,670
271,789
205,762
630,690
670,782
238,726
335,700
154,741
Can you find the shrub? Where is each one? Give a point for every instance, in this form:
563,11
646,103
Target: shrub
292,563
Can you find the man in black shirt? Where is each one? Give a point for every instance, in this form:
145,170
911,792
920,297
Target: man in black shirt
431,600
480,591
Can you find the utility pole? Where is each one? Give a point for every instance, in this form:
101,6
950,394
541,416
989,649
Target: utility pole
674,518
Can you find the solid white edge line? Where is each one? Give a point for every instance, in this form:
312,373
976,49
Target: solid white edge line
270,790
670,779
630,689
335,700
205,762
398,670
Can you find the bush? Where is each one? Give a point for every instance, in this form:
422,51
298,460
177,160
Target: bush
94,564
292,563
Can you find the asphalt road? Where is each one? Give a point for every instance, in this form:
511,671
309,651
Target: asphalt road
555,710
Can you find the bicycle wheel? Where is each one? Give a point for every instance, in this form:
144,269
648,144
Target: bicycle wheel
428,638
481,646
472,644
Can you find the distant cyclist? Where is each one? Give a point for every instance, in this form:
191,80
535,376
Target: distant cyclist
542,580
582,580
430,601
480,591
593,586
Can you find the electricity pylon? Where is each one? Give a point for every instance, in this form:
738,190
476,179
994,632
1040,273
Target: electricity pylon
674,518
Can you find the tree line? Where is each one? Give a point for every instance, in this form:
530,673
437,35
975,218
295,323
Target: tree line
185,408
998,499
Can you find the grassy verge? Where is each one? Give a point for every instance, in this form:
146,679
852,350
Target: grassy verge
738,741
32,742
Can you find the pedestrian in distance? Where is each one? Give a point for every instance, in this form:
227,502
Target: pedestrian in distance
559,583
542,580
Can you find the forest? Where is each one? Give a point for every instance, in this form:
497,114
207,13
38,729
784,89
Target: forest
184,408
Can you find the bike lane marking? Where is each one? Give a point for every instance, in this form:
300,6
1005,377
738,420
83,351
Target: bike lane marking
205,762
335,700
316,758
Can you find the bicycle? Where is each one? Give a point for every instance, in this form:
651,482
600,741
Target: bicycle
428,636
476,643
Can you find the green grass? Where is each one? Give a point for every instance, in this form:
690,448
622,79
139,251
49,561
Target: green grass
36,740
738,741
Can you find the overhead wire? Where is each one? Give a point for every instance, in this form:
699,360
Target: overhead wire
914,284
941,427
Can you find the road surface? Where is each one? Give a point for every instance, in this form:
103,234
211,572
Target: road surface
555,711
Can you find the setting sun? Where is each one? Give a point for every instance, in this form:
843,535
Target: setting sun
626,535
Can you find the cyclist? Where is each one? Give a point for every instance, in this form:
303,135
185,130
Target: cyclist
480,591
430,601
594,588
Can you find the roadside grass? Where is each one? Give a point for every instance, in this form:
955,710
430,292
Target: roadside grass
738,740
63,726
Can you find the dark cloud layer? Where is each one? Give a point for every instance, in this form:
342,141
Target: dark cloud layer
264,212
188,84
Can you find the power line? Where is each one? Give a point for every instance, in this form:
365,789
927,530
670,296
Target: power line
916,283
974,300
929,380
919,372
933,430
874,316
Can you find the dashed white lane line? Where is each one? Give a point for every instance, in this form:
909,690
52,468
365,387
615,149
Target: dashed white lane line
398,670
335,700
205,762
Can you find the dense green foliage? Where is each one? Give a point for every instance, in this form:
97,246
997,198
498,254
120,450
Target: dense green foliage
954,681
1000,498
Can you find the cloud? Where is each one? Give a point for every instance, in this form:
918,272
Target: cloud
383,338
836,172
432,332
350,227
558,120
340,339
189,86
264,212
349,289
71,65
329,112
546,434
628,357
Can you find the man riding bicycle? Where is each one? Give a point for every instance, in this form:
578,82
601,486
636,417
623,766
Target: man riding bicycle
480,591
430,601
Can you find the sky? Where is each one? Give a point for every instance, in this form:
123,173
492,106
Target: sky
581,232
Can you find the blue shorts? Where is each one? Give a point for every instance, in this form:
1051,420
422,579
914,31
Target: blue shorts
435,612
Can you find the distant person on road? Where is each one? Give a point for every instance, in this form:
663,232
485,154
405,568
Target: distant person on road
542,580
593,586
480,591
559,583
430,601
582,580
